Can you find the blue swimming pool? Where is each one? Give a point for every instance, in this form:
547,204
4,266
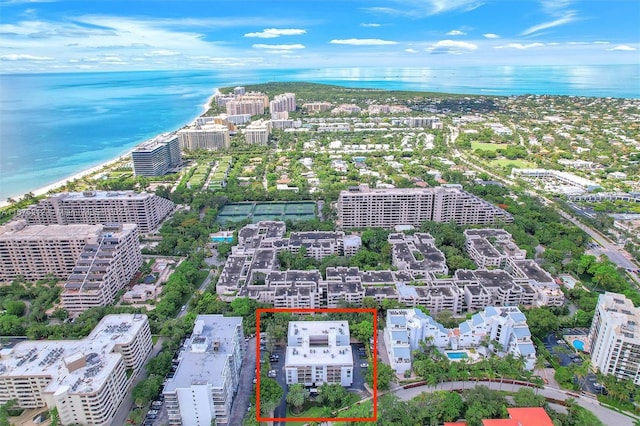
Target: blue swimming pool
457,355
578,344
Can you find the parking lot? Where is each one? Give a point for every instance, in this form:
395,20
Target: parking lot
568,355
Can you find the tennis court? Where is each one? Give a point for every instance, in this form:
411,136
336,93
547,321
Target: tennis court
256,212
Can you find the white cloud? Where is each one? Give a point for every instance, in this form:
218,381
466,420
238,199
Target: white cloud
24,57
411,50
556,9
490,35
566,19
451,46
456,33
601,42
623,47
162,53
371,25
276,32
363,42
279,46
519,46
422,8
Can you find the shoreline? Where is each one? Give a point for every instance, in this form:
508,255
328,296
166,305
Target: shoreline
95,169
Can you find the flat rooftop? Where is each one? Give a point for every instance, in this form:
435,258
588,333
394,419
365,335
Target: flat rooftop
15,231
50,357
200,362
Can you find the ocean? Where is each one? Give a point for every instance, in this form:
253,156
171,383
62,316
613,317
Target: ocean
53,126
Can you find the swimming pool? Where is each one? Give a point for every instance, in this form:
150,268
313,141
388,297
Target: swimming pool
457,355
578,344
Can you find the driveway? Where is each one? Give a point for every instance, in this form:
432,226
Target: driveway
245,384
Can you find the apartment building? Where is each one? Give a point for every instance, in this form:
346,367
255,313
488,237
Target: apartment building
494,248
157,156
99,207
104,267
614,337
362,207
563,178
202,389
506,327
212,137
283,103
37,251
405,331
245,106
319,244
257,132
252,271
417,253
428,122
317,106
86,380
318,352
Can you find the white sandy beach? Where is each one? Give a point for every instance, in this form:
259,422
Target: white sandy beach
62,182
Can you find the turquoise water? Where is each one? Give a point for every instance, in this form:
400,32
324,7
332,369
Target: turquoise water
457,355
55,125
578,344
222,239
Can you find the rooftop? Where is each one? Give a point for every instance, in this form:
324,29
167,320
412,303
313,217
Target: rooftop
81,366
203,356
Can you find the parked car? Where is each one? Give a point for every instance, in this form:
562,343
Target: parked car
364,365
272,374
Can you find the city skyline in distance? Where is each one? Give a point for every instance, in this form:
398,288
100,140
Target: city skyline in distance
61,36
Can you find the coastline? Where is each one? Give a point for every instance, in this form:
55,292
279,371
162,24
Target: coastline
95,169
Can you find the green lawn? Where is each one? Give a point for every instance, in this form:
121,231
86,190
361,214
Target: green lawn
487,146
518,163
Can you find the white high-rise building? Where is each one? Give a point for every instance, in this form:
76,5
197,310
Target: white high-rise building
614,338
206,380
86,379
157,156
319,352
96,207
283,102
257,133
209,136
104,267
362,207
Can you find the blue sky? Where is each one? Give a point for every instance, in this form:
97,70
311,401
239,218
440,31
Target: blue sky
104,35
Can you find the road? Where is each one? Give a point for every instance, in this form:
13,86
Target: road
245,384
613,252
607,416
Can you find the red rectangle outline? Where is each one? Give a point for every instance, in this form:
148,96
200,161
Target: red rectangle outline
320,310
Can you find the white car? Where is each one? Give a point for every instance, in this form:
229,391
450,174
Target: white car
272,373
364,365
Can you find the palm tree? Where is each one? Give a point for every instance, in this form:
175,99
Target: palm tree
267,407
297,396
